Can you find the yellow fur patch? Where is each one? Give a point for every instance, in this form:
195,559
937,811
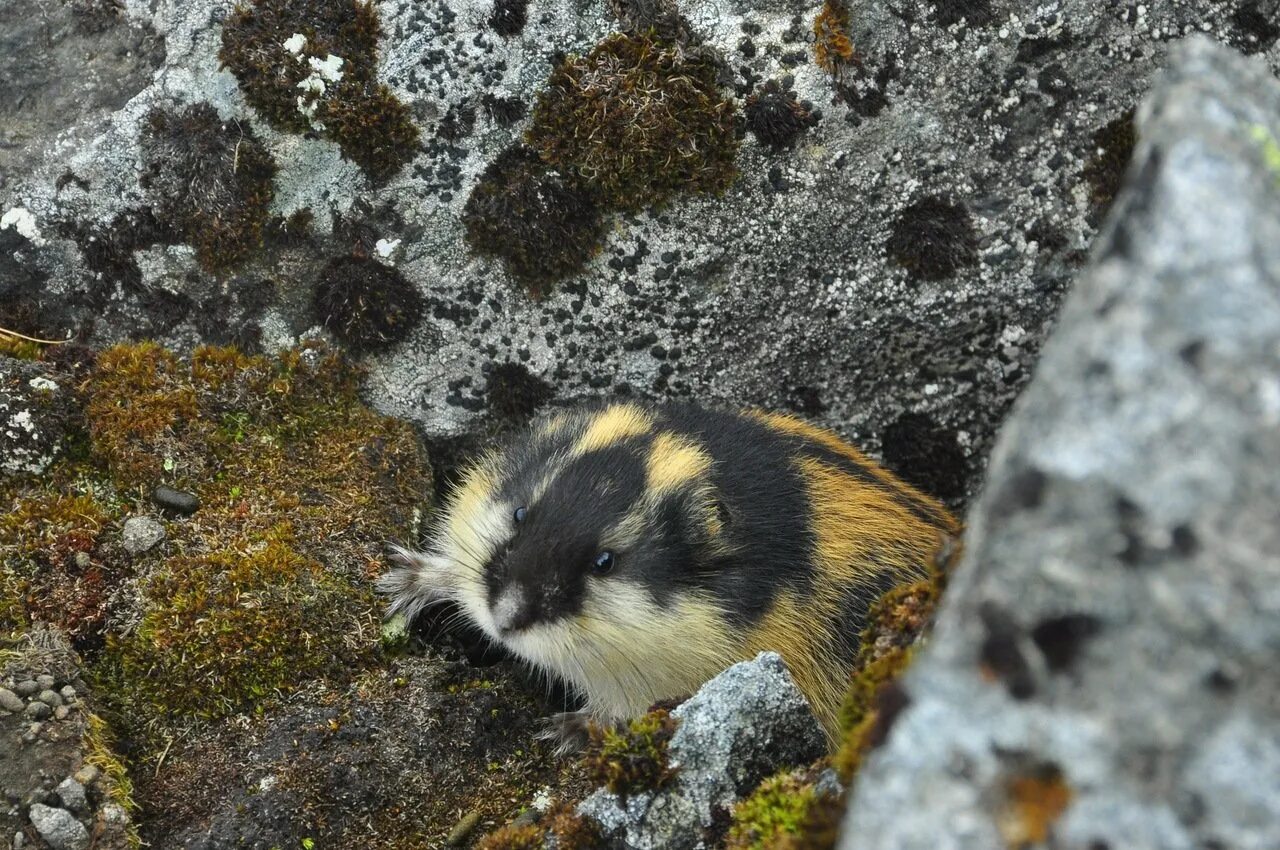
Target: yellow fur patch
613,425
674,461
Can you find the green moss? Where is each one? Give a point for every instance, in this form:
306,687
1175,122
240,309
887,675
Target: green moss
17,348
542,226
1269,148
368,122
223,631
525,837
638,120
633,758
778,808
210,180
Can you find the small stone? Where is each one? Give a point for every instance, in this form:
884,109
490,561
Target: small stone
59,828
83,561
19,841
72,795
46,681
113,813
87,775
27,688
38,710
179,501
9,701
68,692
142,533
62,712
462,830
50,698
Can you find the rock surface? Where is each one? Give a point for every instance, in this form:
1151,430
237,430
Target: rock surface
59,828
141,534
36,410
739,728
970,135
1103,670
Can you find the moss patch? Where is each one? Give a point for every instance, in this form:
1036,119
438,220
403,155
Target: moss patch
933,238
775,116
832,47
366,304
312,66
540,225
210,180
633,758
778,809
639,120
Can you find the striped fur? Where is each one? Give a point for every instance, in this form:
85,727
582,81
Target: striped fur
732,533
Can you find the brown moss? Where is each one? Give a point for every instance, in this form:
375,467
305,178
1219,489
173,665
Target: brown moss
523,837
572,831
638,120
632,758
1033,803
832,47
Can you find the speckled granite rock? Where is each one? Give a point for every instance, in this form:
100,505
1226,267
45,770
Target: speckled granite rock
1103,670
971,130
739,728
37,408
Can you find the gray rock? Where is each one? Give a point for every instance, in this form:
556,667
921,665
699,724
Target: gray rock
45,681
740,727
1105,655
9,701
67,692
72,795
27,688
37,710
19,841
36,411
142,533
87,775
59,828
50,698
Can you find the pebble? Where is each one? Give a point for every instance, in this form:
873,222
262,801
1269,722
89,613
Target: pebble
50,698
87,775
68,692
9,701
38,710
72,795
175,500
19,841
62,712
142,533
59,828
83,561
27,688
458,835
46,681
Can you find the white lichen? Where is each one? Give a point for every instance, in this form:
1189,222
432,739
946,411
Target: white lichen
386,247
21,220
42,383
323,71
294,44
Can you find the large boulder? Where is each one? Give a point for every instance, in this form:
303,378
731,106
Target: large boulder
1103,670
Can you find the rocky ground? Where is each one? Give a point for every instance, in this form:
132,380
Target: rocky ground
367,239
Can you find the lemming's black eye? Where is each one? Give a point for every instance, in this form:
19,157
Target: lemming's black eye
602,564
520,513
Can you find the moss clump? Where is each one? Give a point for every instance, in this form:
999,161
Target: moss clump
832,47
366,304
210,180
509,17
540,225
933,238
301,86
633,758
523,837
572,831
18,348
99,751
637,119
222,631
1113,149
776,811
975,13
514,393
775,116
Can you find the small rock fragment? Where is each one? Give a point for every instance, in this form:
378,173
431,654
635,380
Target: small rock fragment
45,681
37,710
179,501
50,698
459,834
59,828
11,702
27,688
72,795
87,775
68,692
141,533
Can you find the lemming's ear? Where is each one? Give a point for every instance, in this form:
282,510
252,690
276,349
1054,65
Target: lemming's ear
415,580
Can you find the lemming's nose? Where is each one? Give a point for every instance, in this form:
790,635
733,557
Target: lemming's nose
514,609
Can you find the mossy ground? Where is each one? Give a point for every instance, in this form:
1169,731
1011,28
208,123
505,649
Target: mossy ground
633,758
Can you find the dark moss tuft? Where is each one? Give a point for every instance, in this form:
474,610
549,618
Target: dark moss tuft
630,759
775,116
774,815
976,13
513,837
541,226
505,111
509,17
366,304
371,125
1256,29
924,454
210,180
933,238
1113,149
513,392
638,120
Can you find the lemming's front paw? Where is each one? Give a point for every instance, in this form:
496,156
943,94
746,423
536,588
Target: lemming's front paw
569,731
